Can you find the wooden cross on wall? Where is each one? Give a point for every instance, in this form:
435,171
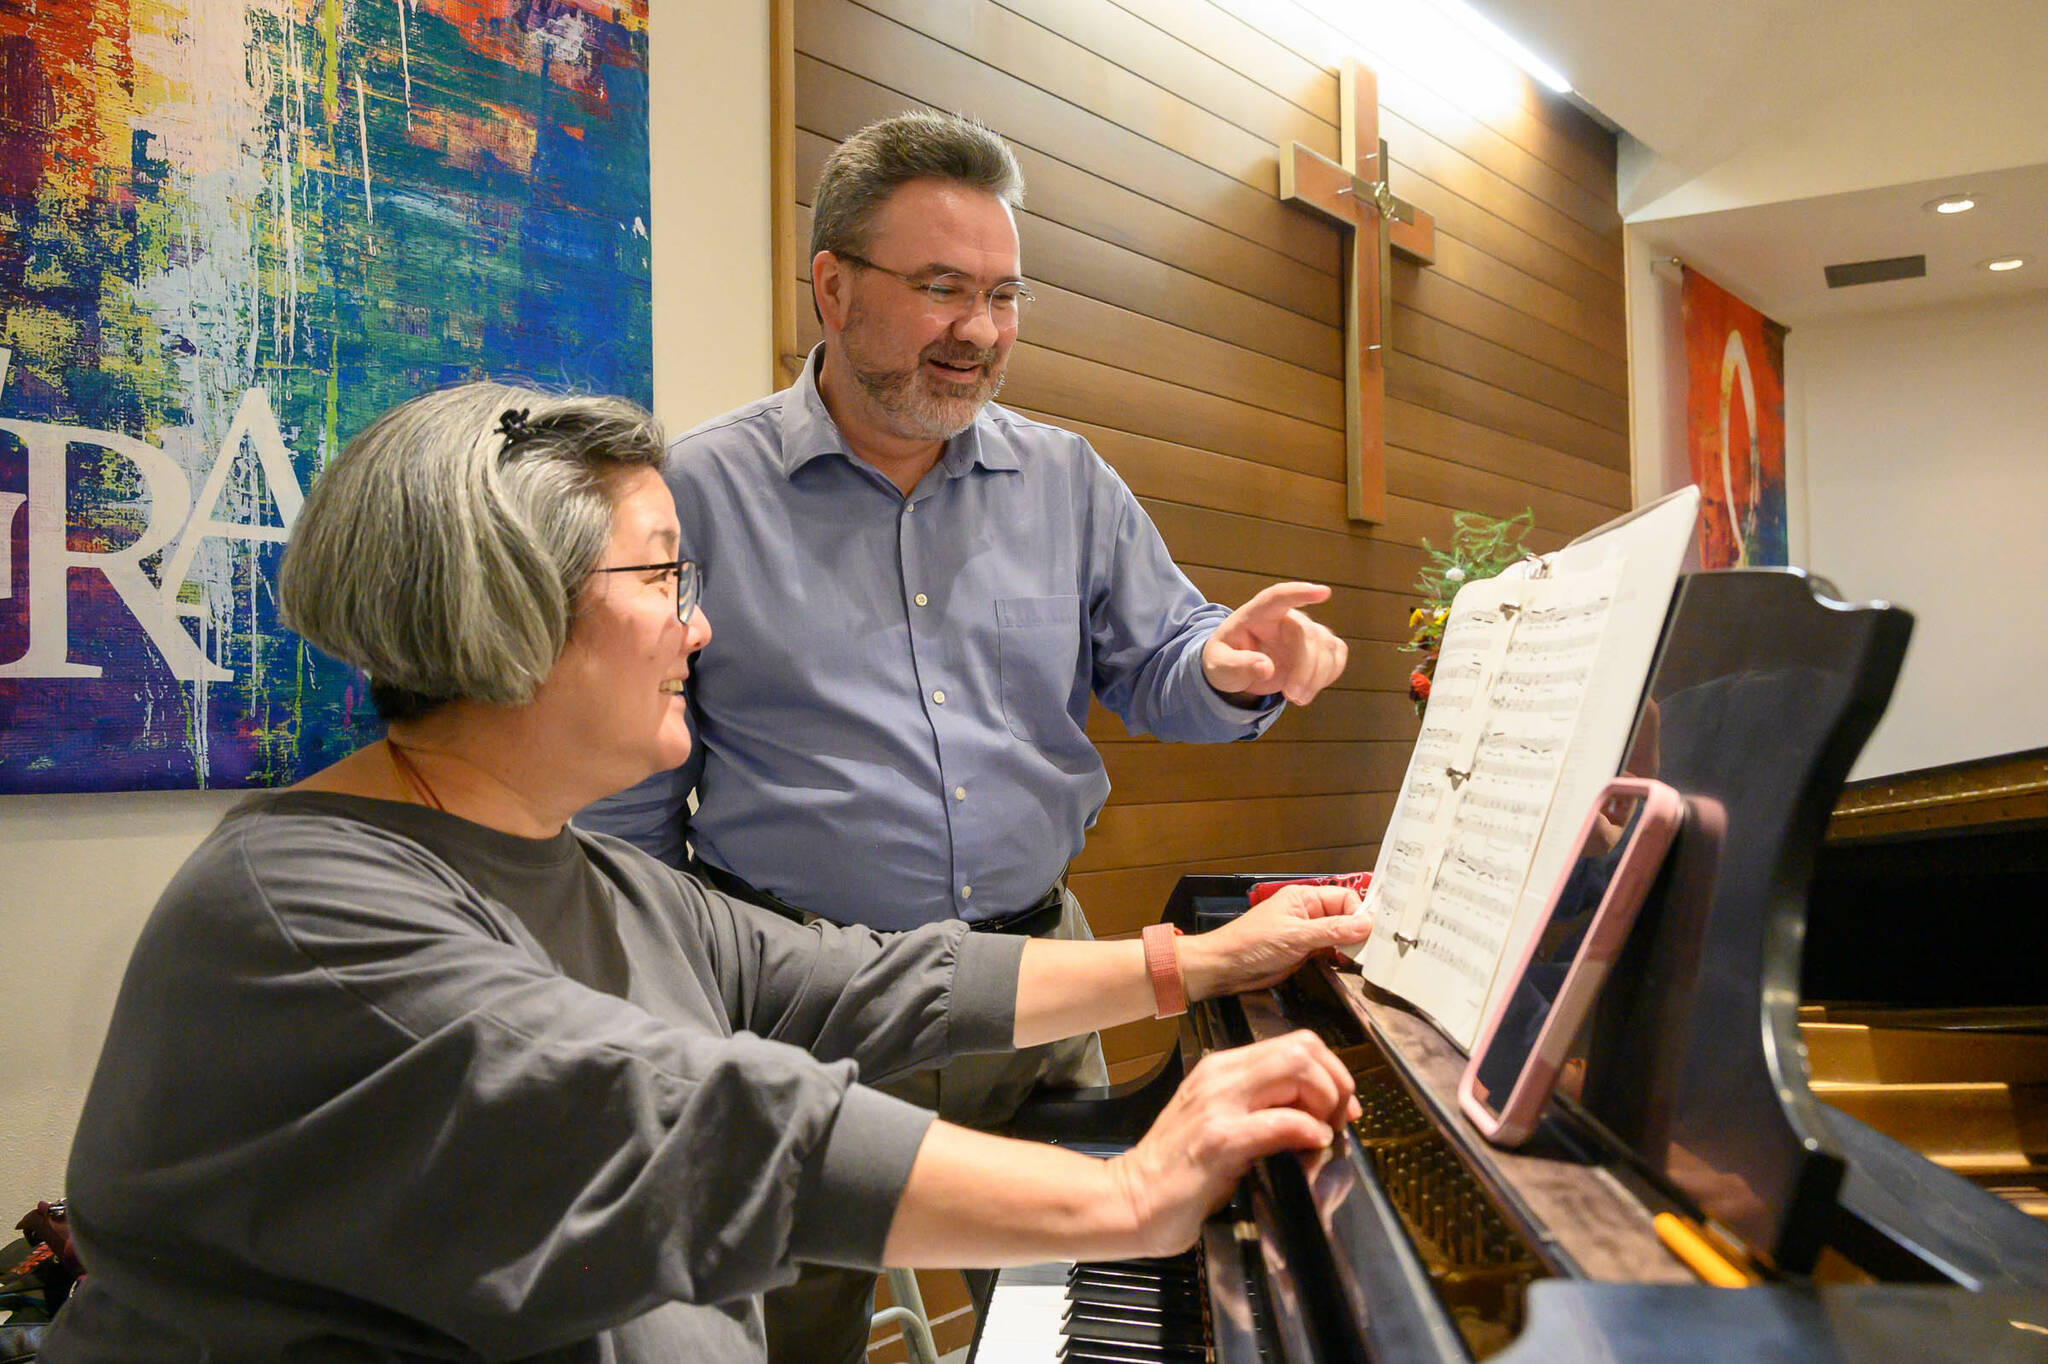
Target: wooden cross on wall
1356,196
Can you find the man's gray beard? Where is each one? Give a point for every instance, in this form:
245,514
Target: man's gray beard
913,411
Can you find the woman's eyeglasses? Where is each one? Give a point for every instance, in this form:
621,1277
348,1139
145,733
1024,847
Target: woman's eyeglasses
689,582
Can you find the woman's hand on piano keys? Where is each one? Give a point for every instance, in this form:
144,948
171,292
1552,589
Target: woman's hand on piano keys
973,1198
1286,1093
1267,942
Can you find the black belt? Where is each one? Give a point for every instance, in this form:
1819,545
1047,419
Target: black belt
1035,920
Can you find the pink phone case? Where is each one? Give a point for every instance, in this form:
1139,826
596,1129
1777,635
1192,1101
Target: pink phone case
1662,812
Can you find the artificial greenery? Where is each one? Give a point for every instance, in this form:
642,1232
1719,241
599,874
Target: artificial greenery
1481,546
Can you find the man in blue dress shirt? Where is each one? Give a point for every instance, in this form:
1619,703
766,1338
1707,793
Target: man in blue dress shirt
916,594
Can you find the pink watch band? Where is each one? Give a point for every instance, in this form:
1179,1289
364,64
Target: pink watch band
1162,963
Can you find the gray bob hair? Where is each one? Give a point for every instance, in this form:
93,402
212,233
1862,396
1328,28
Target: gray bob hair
444,551
864,170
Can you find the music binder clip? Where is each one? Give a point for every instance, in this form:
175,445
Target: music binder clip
1404,941
1458,776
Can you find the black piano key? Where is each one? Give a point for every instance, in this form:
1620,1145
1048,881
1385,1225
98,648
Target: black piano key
1135,1312
1160,1265
1129,1352
1165,1318
1161,1294
1129,1273
1082,1323
1154,1288
1147,1331
1163,1297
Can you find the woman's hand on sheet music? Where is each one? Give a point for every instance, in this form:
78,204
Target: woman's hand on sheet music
1286,1093
1267,942
1269,645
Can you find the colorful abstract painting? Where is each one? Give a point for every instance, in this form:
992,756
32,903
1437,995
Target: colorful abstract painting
1735,425
231,233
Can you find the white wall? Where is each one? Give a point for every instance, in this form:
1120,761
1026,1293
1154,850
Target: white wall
713,334
78,874
1656,367
1924,438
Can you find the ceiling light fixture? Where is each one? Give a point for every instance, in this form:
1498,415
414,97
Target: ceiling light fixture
2005,263
1494,37
1951,203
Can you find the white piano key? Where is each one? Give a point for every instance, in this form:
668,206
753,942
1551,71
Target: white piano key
1023,1323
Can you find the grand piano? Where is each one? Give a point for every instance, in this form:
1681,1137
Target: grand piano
1733,1073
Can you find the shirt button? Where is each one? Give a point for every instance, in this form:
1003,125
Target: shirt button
959,793
967,892
938,698
920,600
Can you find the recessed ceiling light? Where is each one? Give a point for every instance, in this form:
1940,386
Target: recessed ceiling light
1951,203
2005,263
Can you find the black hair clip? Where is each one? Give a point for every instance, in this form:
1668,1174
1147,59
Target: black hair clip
514,427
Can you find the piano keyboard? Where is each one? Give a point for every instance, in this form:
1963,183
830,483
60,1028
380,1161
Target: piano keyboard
1022,1323
1476,1266
1123,1312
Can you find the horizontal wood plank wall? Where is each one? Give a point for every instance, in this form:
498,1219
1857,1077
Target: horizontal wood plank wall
1190,326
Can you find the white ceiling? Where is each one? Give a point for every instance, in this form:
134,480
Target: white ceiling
1766,139
1773,254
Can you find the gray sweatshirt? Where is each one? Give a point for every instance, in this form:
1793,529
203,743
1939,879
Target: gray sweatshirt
383,1084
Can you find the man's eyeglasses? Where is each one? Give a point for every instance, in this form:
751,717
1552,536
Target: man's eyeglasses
689,583
955,297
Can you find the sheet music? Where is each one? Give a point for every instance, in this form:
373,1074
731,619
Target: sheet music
1476,638
1547,675
1453,886
1647,550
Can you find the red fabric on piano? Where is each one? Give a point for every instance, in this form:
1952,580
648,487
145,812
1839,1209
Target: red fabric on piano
1350,880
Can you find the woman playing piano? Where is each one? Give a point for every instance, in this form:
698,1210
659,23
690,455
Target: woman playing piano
406,1067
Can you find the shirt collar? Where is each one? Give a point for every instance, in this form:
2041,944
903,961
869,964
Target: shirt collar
808,431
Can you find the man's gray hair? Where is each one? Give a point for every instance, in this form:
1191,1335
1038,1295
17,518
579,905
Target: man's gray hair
864,170
445,550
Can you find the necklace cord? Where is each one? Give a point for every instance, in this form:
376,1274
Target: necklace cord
409,773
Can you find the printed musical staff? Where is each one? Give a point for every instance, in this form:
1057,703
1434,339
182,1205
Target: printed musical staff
1508,689
1535,694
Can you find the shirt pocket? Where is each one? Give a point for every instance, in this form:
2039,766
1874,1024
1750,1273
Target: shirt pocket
1038,649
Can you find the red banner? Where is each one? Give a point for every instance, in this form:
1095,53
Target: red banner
1735,425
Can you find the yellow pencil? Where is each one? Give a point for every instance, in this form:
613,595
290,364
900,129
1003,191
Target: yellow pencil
1690,1245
